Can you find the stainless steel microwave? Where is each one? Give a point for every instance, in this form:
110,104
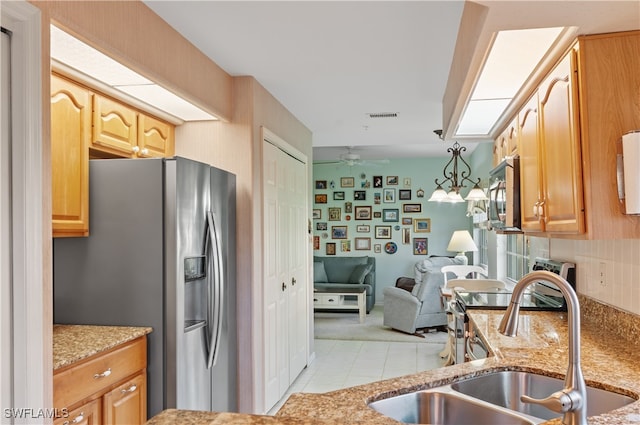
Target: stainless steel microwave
504,195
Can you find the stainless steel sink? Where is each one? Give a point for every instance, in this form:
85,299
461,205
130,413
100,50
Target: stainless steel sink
437,407
505,388
490,399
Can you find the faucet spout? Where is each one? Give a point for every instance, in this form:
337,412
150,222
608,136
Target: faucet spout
572,399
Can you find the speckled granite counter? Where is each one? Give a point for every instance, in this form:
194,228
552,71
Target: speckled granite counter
608,361
72,343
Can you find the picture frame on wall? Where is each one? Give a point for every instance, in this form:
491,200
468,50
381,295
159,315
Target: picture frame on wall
347,182
383,232
317,213
330,248
348,207
338,232
334,214
392,180
405,194
316,243
338,196
389,196
345,246
420,246
363,228
422,225
321,225
363,244
390,215
359,195
407,182
407,221
406,236
321,198
321,184
377,214
377,248
377,181
363,212
411,208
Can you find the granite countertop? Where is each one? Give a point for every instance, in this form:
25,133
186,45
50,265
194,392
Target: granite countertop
72,343
609,361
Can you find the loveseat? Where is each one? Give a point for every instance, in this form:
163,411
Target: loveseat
346,272
422,307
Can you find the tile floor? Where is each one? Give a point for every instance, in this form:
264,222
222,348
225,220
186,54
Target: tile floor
341,364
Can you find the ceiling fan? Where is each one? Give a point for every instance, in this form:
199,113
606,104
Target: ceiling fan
350,159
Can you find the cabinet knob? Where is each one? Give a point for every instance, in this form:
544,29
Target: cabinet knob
293,281
144,152
284,286
135,149
103,374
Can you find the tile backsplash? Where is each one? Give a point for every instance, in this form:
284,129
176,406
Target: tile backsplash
606,270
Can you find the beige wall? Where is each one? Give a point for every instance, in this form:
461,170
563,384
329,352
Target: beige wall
130,33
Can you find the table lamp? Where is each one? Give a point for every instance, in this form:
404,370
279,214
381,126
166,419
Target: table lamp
461,242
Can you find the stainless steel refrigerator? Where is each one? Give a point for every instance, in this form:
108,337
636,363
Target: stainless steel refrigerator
161,253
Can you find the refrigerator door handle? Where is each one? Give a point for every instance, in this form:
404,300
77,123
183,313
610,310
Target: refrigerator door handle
216,304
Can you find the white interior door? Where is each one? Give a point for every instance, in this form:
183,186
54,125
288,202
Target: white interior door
285,271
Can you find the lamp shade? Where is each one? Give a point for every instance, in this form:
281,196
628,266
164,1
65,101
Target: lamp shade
461,242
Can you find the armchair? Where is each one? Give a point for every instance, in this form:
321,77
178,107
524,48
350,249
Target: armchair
422,307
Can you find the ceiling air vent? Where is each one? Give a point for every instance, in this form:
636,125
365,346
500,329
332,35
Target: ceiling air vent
382,115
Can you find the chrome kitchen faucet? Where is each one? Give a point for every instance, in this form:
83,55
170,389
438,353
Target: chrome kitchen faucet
572,399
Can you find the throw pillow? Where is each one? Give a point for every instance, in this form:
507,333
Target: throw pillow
359,273
319,273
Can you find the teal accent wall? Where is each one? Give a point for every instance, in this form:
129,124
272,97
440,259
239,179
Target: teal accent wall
410,175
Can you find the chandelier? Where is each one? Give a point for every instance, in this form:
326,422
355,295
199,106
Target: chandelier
456,172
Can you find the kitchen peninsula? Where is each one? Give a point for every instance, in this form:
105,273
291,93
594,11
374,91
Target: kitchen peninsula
609,361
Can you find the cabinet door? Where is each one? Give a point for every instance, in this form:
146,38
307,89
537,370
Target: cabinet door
70,138
114,127
155,137
88,414
127,404
530,178
562,205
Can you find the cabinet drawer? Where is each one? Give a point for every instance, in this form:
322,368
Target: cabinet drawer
98,373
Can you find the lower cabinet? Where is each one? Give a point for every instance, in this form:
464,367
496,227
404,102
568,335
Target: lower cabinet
106,388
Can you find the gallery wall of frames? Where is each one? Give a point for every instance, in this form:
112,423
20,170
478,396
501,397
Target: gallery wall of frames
381,210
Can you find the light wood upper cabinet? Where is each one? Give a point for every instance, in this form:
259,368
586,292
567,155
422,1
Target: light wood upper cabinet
530,178
70,139
115,127
561,206
584,106
155,137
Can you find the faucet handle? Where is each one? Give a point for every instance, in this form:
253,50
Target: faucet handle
560,401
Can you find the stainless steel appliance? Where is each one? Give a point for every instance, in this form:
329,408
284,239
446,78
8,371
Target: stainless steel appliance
161,253
504,195
542,295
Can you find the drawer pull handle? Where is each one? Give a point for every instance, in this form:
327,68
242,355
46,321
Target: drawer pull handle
129,390
76,420
103,374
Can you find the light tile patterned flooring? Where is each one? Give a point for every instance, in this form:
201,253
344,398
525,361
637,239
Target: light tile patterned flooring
341,364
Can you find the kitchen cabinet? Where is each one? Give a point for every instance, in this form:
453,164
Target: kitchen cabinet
70,139
124,132
581,110
106,388
84,124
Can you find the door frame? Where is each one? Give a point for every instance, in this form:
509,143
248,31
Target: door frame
31,316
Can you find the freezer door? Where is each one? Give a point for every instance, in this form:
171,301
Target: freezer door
187,201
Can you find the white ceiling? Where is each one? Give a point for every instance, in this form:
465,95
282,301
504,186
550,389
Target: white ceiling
330,63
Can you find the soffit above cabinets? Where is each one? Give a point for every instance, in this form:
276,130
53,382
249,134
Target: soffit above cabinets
81,61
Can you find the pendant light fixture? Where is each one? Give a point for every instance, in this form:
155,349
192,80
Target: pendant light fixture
456,172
